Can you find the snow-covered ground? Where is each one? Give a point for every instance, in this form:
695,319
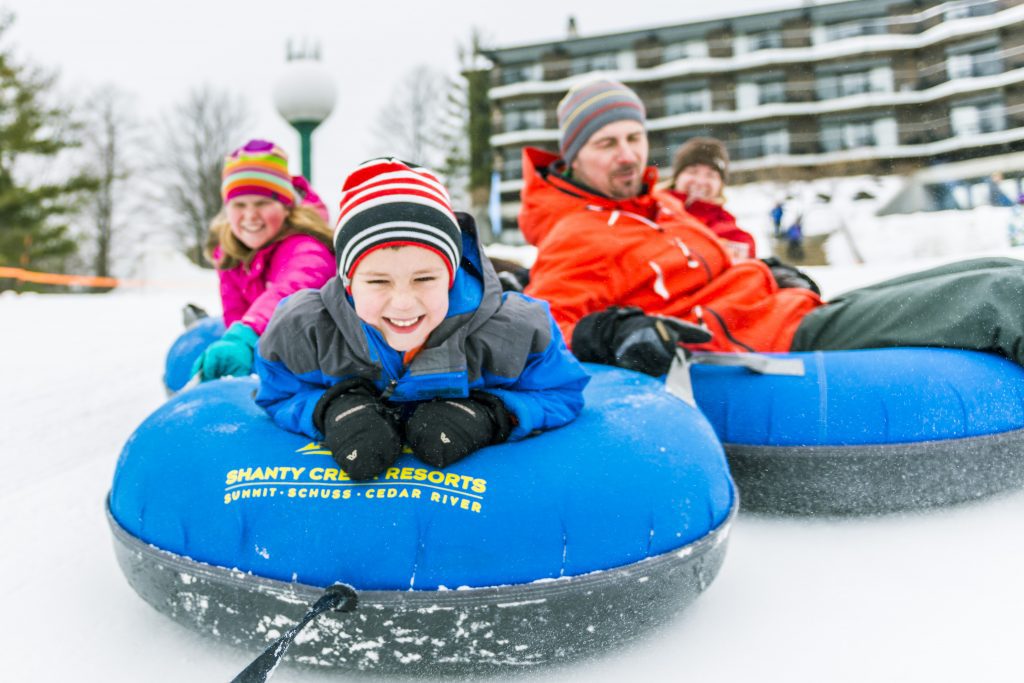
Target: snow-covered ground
932,596
845,209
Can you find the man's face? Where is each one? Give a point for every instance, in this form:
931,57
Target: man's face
613,160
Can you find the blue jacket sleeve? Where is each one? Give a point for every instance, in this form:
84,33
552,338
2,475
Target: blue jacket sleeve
289,398
549,391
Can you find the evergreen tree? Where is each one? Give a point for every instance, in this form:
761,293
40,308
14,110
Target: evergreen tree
33,227
469,142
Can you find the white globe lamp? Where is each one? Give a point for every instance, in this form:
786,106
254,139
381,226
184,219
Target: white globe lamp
304,96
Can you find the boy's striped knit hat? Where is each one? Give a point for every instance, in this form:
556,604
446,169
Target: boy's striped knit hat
590,106
259,167
385,203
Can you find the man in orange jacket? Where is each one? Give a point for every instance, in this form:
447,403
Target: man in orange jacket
607,241
630,274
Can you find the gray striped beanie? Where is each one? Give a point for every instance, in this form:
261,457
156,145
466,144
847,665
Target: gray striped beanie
590,106
386,203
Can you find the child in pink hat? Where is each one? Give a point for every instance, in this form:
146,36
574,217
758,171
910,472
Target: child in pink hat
270,240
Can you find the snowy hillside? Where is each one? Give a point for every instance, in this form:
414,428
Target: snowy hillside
846,210
932,596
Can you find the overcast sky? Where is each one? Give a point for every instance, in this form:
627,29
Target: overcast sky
159,51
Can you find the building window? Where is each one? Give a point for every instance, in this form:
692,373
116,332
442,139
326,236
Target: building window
847,135
851,29
512,163
683,100
854,133
987,62
603,61
754,93
979,117
675,139
969,8
763,40
755,143
771,92
846,84
517,73
660,156
690,49
523,115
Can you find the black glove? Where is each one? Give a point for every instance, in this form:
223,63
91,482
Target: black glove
443,431
790,277
629,338
358,429
513,277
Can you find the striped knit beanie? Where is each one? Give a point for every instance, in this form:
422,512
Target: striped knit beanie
590,106
387,203
261,168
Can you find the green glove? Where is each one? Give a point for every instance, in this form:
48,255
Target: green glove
231,355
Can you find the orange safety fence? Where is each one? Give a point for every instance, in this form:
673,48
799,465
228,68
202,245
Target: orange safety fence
62,279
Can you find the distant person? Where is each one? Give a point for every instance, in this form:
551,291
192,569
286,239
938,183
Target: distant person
699,172
630,275
270,240
413,341
795,239
776,214
996,195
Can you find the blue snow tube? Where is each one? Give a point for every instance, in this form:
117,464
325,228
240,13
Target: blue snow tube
523,553
187,348
869,431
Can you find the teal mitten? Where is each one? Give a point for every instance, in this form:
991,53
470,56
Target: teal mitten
231,355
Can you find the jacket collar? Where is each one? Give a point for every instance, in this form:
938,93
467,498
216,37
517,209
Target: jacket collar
548,195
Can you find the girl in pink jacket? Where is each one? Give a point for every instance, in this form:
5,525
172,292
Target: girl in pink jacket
270,240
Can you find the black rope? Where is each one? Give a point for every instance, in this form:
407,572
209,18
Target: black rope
340,597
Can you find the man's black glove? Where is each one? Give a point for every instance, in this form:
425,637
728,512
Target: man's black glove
790,277
358,429
629,338
513,277
445,430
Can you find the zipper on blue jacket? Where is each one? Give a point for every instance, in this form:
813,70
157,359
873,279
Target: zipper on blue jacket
389,389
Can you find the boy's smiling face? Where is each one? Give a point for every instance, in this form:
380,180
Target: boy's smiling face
402,292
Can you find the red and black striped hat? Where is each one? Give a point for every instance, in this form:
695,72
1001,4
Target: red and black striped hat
386,202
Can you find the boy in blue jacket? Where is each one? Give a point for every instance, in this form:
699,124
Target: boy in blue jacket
414,341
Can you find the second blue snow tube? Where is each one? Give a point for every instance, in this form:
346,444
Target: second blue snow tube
187,348
870,430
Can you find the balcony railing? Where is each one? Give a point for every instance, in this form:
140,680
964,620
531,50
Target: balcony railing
963,10
773,94
988,122
754,148
512,169
513,121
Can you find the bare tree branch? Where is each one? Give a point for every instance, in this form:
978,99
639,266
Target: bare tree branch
109,143
410,125
194,140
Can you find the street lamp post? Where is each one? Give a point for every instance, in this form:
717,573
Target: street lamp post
304,96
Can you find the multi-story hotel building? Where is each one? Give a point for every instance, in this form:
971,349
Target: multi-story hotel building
864,86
